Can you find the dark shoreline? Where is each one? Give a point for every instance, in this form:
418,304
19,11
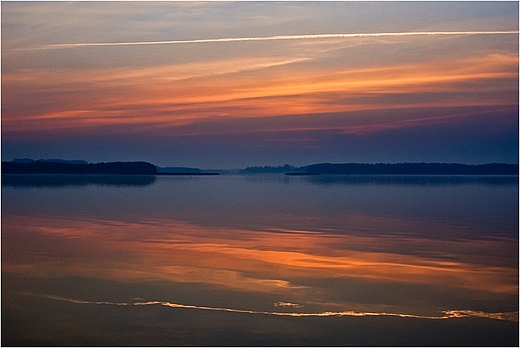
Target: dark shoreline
145,168
45,167
187,173
407,169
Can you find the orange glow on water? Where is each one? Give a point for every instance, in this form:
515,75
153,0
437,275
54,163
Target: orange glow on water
447,314
178,251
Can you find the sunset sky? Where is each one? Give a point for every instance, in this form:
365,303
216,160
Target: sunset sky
236,84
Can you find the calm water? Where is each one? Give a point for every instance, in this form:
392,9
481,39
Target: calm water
259,260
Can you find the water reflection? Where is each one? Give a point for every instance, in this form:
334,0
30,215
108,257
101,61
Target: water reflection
509,316
63,180
288,263
420,180
274,250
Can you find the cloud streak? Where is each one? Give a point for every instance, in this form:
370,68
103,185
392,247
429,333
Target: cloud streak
272,38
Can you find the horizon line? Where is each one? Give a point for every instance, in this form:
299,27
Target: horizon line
23,160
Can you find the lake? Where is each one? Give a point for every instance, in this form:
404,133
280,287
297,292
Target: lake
259,260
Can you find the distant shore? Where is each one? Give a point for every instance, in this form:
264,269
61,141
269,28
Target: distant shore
28,166
64,167
188,173
407,169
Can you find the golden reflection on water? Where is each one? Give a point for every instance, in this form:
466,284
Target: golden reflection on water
251,261
447,314
179,263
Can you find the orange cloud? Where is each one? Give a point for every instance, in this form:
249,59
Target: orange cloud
170,96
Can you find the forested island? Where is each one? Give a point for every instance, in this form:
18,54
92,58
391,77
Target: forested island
73,167
407,169
59,166
29,166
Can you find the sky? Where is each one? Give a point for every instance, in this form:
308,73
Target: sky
236,84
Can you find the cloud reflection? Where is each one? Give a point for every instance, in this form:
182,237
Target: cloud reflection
287,304
259,261
447,314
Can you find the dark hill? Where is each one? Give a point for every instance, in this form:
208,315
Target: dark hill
409,168
268,169
43,167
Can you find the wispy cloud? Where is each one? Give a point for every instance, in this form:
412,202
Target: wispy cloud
271,38
166,99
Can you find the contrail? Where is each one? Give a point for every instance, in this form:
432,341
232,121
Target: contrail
269,38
